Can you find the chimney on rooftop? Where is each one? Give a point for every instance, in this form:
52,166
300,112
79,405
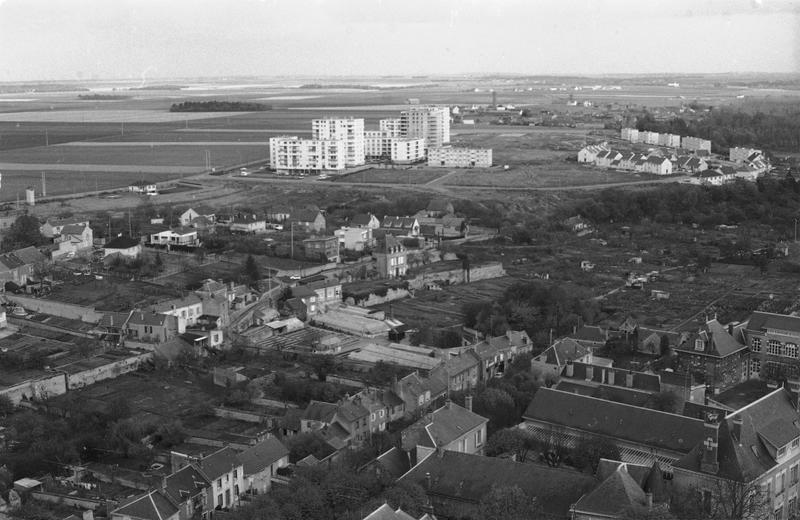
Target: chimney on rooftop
468,402
589,372
649,498
570,369
427,481
629,379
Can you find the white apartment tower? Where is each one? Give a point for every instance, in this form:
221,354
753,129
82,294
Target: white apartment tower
288,154
390,127
349,130
429,122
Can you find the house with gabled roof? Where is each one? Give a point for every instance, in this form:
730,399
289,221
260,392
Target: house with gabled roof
624,489
73,239
225,472
590,336
53,227
450,428
124,247
317,414
189,488
385,512
461,372
310,221
555,358
715,355
641,434
400,226
391,258
418,393
439,208
755,449
261,463
152,505
365,220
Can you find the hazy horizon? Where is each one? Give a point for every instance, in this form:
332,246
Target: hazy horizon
51,40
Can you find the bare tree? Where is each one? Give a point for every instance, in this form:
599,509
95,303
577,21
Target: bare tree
723,499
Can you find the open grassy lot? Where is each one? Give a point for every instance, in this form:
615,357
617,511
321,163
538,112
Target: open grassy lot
111,295
109,115
60,182
394,175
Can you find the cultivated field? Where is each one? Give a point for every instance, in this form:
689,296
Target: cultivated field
109,116
394,176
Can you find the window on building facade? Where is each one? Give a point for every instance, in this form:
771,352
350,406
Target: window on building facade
778,514
478,437
792,505
755,345
462,445
791,350
781,453
698,344
755,366
793,474
774,347
780,480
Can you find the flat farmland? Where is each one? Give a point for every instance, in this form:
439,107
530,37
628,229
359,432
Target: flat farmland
60,182
72,157
394,176
109,116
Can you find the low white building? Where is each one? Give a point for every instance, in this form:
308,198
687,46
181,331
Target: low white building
658,165
176,237
588,154
355,238
125,247
740,154
448,156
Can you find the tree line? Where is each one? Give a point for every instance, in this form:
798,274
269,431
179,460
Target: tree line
218,106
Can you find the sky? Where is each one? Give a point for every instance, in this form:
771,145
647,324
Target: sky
145,39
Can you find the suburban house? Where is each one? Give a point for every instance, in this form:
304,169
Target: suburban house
184,236
590,336
400,226
125,247
151,327
555,358
773,341
384,512
588,154
755,449
391,258
278,214
365,220
461,372
187,309
322,248
309,221
577,225
261,462
152,505
714,355
54,227
418,393
498,353
456,482
658,165
317,296
225,472
19,265
355,238
73,239
641,434
190,217
439,208
191,489
146,187
450,428
248,224
353,416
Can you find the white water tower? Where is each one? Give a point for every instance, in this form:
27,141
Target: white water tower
30,196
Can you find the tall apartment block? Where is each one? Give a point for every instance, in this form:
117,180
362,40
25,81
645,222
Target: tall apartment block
349,130
289,154
428,122
390,127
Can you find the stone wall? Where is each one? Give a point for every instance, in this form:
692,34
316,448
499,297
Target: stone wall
64,310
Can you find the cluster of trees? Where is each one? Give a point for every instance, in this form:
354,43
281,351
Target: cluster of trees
772,202
23,232
536,307
727,127
43,444
218,106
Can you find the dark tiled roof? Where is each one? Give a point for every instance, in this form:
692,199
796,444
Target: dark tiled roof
563,350
458,364
600,374
305,216
153,505
589,333
121,243
616,420
615,494
219,463
716,341
262,455
362,219
320,411
148,318
747,458
442,427
761,321
465,477
351,411
185,483
394,462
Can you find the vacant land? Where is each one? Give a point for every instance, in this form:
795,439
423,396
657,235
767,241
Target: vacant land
111,295
394,176
108,115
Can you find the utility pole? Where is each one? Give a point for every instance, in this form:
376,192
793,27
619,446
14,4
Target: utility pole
795,230
44,187
291,228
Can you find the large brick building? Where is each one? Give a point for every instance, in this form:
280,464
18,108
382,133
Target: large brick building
773,342
714,355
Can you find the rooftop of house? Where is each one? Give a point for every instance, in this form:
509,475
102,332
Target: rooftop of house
621,421
712,339
394,462
441,427
351,410
153,505
305,215
320,411
590,334
385,512
466,477
394,222
616,493
259,457
415,385
176,303
148,318
121,243
563,350
461,363
184,483
220,462
74,229
361,219
601,374
772,419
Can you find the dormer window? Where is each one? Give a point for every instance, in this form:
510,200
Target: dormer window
756,344
795,443
781,452
699,345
